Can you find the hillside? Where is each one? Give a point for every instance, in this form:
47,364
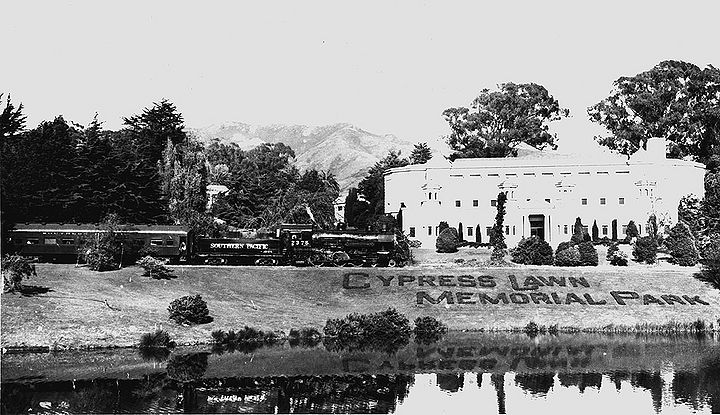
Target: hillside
344,149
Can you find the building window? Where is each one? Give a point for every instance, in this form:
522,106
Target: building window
412,231
156,242
493,203
639,229
457,203
602,200
475,203
507,230
621,201
604,230
429,230
435,195
565,229
583,201
169,242
513,229
488,229
340,208
429,195
547,200
469,231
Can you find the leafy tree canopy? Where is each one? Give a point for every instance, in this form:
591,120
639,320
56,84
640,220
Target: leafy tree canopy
675,100
498,121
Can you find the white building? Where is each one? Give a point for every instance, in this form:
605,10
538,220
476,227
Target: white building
545,191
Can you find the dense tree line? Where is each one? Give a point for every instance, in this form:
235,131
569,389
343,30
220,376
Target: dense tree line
149,171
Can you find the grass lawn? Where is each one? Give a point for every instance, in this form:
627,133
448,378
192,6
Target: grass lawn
73,312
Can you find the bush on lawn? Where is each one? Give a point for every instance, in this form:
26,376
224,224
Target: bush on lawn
616,257
568,257
14,269
428,330
447,241
645,250
155,268
189,310
588,254
681,245
532,251
631,231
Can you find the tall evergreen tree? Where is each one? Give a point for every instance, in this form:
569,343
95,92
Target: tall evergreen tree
420,154
12,119
372,187
497,236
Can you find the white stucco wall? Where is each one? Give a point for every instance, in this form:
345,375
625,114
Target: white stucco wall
544,183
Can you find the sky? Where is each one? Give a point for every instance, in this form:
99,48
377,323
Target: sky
387,67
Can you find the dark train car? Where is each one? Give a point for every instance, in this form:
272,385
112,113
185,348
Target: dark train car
62,242
354,248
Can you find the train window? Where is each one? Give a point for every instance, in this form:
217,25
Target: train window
68,242
169,242
156,242
32,241
50,241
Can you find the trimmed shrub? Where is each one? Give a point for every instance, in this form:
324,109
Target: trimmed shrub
595,232
562,246
588,254
615,256
447,241
14,269
442,226
614,231
578,232
645,250
681,245
155,268
532,251
189,310
568,257
631,231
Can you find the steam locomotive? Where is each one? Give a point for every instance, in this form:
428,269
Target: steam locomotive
290,244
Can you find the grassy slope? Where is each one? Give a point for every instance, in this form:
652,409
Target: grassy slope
73,313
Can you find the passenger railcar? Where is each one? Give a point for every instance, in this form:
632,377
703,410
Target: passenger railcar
62,242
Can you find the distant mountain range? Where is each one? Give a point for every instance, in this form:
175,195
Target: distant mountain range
344,149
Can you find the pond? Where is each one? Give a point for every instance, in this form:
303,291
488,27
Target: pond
463,372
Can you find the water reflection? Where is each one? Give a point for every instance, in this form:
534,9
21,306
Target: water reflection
488,371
